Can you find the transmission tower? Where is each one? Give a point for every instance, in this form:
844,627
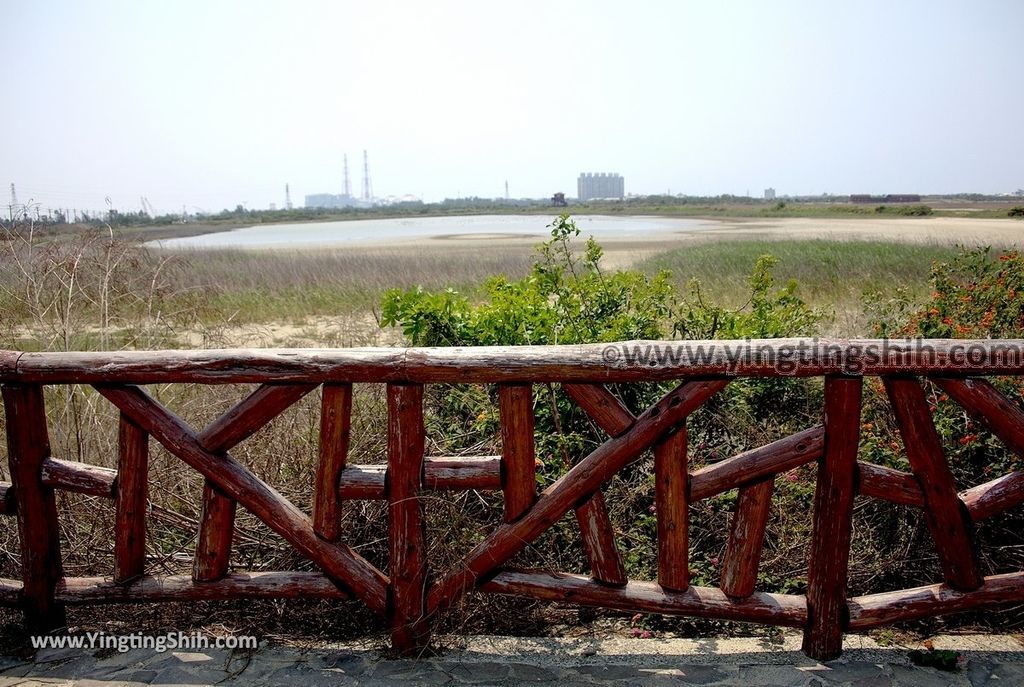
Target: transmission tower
367,187
287,197
348,186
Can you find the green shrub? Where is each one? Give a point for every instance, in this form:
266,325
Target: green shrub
568,297
976,295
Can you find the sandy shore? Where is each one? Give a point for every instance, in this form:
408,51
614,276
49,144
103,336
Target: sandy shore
621,252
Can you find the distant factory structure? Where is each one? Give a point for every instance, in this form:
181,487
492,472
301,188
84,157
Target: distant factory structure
345,199
769,193
591,186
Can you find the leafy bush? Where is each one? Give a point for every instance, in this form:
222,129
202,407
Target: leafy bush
974,295
1016,211
568,297
905,210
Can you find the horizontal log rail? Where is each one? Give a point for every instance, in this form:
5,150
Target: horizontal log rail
632,361
411,593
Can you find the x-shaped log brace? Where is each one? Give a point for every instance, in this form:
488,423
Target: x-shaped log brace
579,483
346,567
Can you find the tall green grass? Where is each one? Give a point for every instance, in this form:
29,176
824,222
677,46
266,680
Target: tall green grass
834,275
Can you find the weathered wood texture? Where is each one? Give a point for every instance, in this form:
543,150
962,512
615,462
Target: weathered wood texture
487,364
8,506
876,610
756,464
406,530
602,406
519,478
216,531
28,445
597,534
746,538
252,413
647,597
1003,418
995,496
337,560
78,477
672,511
459,473
946,515
833,520
335,429
888,484
441,473
580,482
247,585
216,527
10,592
131,500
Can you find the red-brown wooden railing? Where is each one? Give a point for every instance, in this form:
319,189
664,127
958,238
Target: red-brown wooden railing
411,594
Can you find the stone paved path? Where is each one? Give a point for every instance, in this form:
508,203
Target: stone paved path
990,661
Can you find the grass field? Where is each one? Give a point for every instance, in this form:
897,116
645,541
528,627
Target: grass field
254,287
331,296
124,296
836,276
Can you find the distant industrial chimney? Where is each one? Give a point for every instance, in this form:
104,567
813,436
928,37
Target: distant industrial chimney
367,187
287,197
348,187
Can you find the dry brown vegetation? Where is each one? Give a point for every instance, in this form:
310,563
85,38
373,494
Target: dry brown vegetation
95,291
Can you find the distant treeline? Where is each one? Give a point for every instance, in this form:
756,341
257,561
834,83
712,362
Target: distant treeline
720,205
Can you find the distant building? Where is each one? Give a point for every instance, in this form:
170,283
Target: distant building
769,193
558,200
330,200
890,198
590,186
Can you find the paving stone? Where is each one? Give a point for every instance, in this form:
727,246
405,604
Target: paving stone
51,655
853,671
1008,673
614,672
706,664
176,676
707,675
906,676
477,673
409,672
304,675
979,674
527,673
775,676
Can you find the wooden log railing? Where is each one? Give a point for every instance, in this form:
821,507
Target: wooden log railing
411,593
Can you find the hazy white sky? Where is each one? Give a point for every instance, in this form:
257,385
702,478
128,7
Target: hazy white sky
210,104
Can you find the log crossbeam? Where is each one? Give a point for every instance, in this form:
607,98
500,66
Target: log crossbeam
229,476
408,596
581,481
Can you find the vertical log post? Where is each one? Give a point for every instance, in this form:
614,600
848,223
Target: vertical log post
410,631
947,517
335,423
28,445
130,501
833,519
746,538
216,529
672,510
518,458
